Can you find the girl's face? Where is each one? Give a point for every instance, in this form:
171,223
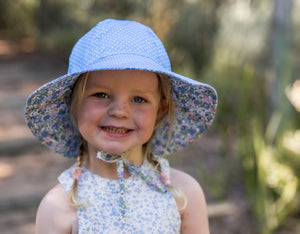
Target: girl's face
119,110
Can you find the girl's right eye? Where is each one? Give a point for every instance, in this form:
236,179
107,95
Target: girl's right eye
101,95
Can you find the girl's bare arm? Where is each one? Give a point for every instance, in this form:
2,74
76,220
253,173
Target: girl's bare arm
55,215
194,216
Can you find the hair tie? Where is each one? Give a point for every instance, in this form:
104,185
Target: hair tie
76,172
164,178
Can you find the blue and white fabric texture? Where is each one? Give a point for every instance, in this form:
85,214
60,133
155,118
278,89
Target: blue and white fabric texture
148,210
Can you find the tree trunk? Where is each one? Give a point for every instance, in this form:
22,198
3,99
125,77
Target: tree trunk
281,65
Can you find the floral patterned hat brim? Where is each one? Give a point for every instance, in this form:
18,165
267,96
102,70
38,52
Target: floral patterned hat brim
48,116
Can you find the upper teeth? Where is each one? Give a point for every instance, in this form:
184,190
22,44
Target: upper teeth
116,130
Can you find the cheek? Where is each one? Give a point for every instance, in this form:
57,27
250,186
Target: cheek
82,114
87,113
147,118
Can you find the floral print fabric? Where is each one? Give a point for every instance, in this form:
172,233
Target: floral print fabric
148,210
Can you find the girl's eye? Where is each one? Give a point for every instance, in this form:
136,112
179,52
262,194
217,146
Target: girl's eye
101,95
139,100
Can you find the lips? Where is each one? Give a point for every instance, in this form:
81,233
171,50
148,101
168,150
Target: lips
116,130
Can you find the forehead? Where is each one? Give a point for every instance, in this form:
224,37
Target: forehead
142,80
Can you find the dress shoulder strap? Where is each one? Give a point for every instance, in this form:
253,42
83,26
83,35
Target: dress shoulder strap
165,167
66,179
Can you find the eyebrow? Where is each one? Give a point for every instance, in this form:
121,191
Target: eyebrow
94,85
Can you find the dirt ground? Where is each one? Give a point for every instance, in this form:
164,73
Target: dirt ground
28,170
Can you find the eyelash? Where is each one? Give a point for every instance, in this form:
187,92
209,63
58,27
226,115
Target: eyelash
137,99
101,95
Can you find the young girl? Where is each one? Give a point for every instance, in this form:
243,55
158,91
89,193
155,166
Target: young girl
119,110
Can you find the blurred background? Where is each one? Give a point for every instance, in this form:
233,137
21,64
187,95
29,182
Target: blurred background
248,163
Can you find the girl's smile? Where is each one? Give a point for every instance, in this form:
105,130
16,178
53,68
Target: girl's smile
119,109
116,131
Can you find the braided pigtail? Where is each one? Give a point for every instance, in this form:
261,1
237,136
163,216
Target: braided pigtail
76,173
167,106
175,191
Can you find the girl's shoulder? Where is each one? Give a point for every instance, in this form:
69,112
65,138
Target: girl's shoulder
55,215
183,180
194,215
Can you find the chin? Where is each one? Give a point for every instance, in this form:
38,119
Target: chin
113,150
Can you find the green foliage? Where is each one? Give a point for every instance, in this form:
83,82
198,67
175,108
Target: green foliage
271,171
17,17
193,43
53,23
244,83
275,183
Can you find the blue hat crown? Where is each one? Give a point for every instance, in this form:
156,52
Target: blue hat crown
111,38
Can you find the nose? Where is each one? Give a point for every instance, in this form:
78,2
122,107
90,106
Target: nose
118,108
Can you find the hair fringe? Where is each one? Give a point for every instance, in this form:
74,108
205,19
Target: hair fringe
77,96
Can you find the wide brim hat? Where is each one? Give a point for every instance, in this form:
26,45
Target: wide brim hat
117,45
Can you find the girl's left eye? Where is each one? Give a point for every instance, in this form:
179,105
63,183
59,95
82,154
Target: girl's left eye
101,95
139,100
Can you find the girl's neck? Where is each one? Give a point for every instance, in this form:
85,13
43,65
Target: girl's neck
105,170
135,155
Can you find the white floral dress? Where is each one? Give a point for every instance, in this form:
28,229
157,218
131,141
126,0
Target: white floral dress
147,209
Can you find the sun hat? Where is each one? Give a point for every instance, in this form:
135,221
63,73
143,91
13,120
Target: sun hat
110,45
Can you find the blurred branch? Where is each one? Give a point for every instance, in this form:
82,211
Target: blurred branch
280,56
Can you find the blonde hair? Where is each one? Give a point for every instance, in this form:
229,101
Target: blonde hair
76,99
166,112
